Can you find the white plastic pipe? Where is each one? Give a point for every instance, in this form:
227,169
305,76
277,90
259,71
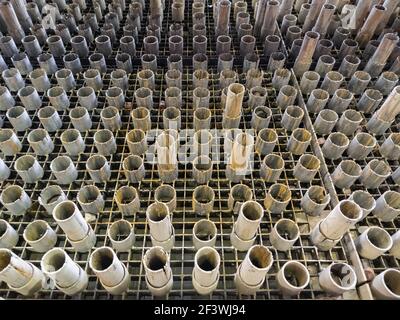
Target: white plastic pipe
204,234
292,278
373,242
206,270
67,275
248,221
337,278
121,235
106,265
252,272
8,235
16,272
158,271
40,236
71,220
159,220
284,234
395,251
345,215
386,285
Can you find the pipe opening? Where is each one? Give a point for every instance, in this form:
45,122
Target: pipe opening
263,112
156,259
207,259
37,73
362,75
26,91
352,60
334,76
78,39
329,115
287,229
103,136
64,210
342,275
102,39
63,73
109,113
260,257
88,194
353,115
24,163
55,92
295,112
174,74
344,94
85,92
274,162
392,198
120,230
15,112
350,168
280,193
241,193
374,94
380,168
51,194
391,279
202,163
135,136
102,258
302,135
10,73
123,57
11,194
119,74
327,59
309,162
174,58
145,74
157,212
149,57
6,134
252,210
126,195
70,135
204,230
258,91
60,164
380,238
132,163
96,162
140,113
296,274
312,76
46,112
204,194
35,230
350,209
318,195
202,113
5,259
339,139
363,199
143,92
365,139
200,74
3,228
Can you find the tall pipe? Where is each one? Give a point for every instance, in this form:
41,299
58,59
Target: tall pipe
368,29
313,14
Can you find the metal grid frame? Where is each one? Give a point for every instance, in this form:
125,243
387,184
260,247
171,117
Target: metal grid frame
385,261
183,218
